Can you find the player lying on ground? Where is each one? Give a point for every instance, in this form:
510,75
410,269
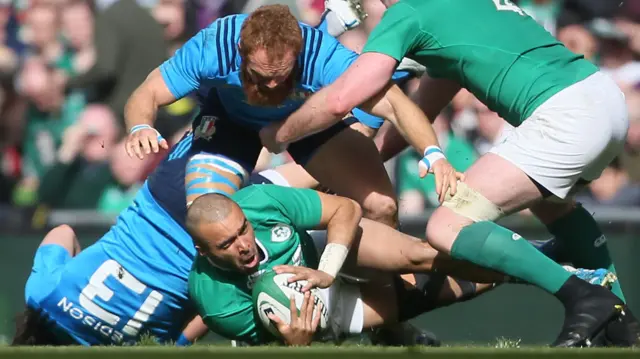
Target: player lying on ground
249,71
263,227
131,281
547,90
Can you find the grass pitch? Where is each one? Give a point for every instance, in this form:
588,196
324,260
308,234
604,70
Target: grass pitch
316,352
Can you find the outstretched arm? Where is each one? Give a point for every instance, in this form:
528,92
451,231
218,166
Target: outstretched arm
367,76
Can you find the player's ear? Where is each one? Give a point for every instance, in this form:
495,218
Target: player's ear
200,252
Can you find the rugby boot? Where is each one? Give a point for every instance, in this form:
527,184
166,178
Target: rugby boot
601,277
404,334
588,310
349,12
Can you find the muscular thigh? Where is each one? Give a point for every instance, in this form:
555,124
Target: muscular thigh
350,165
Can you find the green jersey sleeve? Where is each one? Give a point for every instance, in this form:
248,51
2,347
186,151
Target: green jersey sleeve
226,309
396,34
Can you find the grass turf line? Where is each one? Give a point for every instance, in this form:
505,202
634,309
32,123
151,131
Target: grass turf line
356,352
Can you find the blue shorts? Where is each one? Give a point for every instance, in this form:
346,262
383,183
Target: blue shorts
242,144
48,265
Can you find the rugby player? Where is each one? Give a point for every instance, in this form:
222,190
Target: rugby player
249,71
570,120
263,227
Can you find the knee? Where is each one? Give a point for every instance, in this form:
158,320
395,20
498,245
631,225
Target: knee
62,234
421,256
437,229
63,231
381,208
549,211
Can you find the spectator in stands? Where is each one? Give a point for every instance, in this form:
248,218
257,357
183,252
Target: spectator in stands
615,56
81,170
579,40
545,12
129,44
414,193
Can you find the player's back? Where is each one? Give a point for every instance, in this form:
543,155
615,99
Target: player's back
134,279
495,50
220,85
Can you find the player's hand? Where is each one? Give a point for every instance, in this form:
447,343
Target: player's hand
314,278
446,177
143,139
302,327
268,135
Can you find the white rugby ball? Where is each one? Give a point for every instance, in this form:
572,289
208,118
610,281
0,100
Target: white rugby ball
271,293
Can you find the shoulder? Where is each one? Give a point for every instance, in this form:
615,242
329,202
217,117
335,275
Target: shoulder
318,48
221,38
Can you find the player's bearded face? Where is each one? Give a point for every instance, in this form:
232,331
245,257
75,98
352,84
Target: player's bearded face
268,80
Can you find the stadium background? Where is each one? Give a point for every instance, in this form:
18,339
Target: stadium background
62,160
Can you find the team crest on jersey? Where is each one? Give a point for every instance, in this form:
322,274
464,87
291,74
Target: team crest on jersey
207,128
298,95
280,233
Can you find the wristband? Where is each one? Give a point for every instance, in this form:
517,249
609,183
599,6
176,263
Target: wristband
431,155
183,341
332,259
137,128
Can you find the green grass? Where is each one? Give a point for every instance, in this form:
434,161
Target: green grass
315,352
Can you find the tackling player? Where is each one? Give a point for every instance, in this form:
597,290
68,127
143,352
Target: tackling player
249,71
571,122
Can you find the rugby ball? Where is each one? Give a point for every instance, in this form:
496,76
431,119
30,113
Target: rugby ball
271,293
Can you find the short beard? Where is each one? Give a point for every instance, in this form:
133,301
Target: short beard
261,96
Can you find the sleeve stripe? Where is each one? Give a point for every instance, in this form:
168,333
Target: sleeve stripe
228,49
219,47
309,70
301,58
233,45
316,53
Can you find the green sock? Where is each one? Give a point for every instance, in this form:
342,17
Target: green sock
583,243
492,246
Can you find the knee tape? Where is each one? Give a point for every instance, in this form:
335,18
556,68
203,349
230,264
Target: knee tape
469,203
421,298
211,167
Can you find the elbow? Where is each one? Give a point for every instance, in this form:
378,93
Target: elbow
337,105
353,209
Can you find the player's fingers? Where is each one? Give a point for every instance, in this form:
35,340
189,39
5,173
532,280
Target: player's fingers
453,183
438,178
460,176
310,284
292,308
164,144
303,309
316,318
309,310
284,269
423,170
154,144
145,142
278,322
137,148
128,148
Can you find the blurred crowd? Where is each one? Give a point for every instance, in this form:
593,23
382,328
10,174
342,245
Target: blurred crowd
67,68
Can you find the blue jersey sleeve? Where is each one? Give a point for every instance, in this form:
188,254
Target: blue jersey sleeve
184,70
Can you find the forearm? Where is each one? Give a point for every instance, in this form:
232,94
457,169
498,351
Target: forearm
405,115
314,116
341,232
141,108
